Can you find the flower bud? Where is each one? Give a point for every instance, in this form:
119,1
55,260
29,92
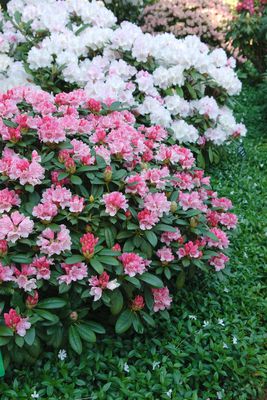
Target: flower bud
91,199
74,316
108,174
3,248
31,301
193,222
128,214
138,303
94,106
88,228
70,166
174,206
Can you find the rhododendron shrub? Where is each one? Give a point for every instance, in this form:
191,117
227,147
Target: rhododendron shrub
100,219
206,19
179,84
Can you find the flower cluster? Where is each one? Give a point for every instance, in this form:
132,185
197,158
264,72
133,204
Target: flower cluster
114,213
179,84
206,19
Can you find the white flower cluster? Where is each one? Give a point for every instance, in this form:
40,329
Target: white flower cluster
146,72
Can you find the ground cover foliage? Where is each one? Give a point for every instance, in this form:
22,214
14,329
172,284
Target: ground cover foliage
212,347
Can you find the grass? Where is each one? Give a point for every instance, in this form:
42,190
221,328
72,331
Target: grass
212,347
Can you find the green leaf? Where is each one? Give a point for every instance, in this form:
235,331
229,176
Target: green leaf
151,237
74,259
116,302
51,303
109,237
30,336
180,280
98,267
86,333
5,331
19,341
96,327
108,260
124,321
9,123
151,280
4,340
62,175
165,228
29,188
76,180
21,259
75,340
211,235
149,320
47,315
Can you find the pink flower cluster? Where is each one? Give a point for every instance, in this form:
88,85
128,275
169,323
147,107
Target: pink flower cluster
204,18
18,324
19,168
98,284
113,204
162,299
133,264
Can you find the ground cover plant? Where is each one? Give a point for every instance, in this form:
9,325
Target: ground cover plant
177,83
212,347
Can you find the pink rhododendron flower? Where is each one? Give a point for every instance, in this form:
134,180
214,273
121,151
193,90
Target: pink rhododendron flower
133,264
222,242
42,267
18,324
223,203
157,176
219,261
147,219
58,195
162,299
190,249
76,204
88,241
157,203
98,284
183,181
50,130
74,272
229,220
45,212
51,242
114,202
8,199
191,200
168,237
27,172
165,254
6,273
136,184
15,226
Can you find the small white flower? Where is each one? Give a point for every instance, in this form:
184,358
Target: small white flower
62,354
226,290
219,395
221,322
193,317
155,365
126,367
235,340
169,393
35,395
225,346
205,323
